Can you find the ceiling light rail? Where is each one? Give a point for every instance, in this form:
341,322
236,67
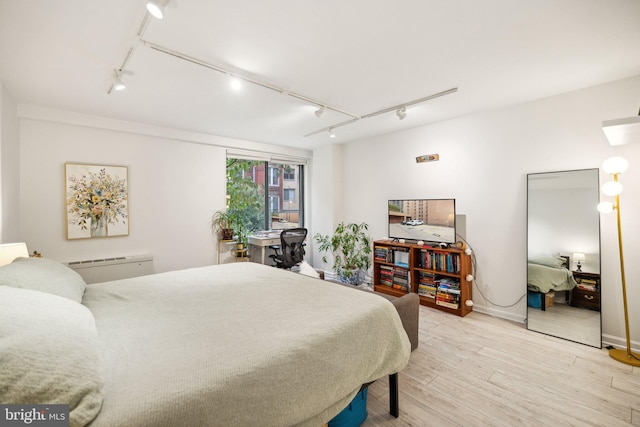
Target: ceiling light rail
156,9
121,70
396,108
410,103
219,69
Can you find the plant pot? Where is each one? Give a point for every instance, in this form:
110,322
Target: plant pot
350,277
226,234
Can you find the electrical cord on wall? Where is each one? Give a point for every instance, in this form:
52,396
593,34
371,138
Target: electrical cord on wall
474,267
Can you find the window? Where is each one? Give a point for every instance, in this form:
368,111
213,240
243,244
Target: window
279,207
289,195
288,173
274,203
273,177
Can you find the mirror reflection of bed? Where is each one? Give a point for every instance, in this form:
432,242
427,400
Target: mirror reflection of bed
562,220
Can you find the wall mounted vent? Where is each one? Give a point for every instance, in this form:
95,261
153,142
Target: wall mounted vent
115,268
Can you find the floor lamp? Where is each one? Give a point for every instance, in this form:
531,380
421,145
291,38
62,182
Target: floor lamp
616,166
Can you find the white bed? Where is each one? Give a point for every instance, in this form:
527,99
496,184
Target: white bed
231,345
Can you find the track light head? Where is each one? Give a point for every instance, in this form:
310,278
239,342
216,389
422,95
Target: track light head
156,8
401,113
331,134
118,85
235,82
320,111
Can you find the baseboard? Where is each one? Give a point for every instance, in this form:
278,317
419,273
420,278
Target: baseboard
607,340
498,313
619,342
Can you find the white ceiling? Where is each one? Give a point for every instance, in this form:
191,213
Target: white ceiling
360,56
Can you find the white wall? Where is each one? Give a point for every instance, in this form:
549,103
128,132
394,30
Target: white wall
174,186
484,161
9,168
326,196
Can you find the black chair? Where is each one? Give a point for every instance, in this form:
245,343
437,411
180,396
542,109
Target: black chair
291,249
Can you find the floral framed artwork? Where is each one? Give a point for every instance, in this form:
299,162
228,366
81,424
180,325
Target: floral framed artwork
97,201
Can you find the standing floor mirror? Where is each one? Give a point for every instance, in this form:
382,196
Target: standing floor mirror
563,255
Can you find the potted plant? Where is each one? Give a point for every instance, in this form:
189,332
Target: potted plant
222,223
241,233
351,249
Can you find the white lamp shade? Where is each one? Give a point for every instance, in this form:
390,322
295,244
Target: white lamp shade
578,256
605,207
615,165
11,251
612,188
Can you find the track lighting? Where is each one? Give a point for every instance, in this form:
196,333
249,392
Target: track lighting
118,85
235,83
156,8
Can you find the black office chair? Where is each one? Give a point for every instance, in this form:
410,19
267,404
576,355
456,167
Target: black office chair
291,250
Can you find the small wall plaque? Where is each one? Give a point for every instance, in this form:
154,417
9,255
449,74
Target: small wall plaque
427,158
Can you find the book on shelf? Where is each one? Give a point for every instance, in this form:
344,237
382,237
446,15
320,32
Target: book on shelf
383,253
589,281
427,291
451,305
386,275
401,278
587,287
441,261
401,257
448,293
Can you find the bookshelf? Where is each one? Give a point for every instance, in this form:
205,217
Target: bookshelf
437,275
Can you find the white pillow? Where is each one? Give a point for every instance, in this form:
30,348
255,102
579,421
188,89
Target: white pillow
49,353
44,275
548,260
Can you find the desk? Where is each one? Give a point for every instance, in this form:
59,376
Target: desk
263,242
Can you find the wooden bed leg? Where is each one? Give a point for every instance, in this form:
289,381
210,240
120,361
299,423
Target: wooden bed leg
394,408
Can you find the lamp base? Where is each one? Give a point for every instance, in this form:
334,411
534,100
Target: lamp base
621,355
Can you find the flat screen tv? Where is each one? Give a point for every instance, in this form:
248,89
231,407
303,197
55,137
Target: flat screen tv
429,220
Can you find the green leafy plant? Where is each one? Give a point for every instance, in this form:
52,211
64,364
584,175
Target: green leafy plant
351,249
222,223
245,197
242,231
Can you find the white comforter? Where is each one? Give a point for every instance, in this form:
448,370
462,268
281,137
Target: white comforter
238,345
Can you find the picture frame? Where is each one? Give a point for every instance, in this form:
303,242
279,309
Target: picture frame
96,200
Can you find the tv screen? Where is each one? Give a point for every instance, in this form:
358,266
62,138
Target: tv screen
429,220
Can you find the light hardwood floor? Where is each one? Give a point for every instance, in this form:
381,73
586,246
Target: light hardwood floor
575,324
484,371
